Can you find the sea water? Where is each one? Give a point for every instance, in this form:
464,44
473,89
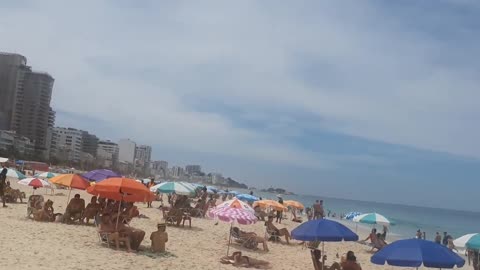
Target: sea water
407,219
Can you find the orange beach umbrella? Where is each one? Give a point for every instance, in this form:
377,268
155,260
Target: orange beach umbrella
121,189
294,204
70,180
270,203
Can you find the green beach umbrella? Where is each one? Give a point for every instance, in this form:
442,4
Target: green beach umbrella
174,187
471,241
15,174
46,175
372,218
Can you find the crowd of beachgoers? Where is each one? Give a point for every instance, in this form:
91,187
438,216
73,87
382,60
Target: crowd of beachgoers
173,230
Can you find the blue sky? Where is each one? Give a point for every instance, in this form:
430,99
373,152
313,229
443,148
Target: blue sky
373,100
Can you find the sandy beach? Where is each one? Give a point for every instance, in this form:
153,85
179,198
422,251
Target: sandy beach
34,245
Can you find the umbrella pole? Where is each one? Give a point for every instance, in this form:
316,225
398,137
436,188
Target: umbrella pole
68,198
229,238
118,215
323,254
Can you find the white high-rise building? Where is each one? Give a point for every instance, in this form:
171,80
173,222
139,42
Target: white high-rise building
126,150
107,151
66,143
143,155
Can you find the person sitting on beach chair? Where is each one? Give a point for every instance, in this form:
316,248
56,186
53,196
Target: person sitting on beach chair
248,239
92,209
45,213
35,202
108,228
236,259
74,210
274,232
317,264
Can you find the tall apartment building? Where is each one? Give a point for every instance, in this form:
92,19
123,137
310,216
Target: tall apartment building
25,104
107,152
12,67
159,167
90,143
67,144
193,169
177,172
127,149
143,155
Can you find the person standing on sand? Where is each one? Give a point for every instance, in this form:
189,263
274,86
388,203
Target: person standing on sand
149,185
438,238
3,176
279,212
318,212
445,238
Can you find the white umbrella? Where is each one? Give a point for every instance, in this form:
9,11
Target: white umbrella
372,218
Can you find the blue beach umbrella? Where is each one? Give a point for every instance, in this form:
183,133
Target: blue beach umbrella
415,252
323,230
246,197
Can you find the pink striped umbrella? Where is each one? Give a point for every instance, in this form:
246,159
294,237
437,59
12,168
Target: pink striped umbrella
233,214
228,214
236,203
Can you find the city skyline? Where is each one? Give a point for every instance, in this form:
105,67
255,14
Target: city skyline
362,100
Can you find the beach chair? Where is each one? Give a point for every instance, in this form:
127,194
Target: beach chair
247,242
104,237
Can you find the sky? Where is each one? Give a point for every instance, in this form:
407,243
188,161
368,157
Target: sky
371,100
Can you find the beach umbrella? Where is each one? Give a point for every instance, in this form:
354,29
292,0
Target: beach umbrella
34,182
231,214
417,252
121,189
247,197
174,187
100,175
372,218
471,241
46,175
236,203
15,174
71,181
323,230
270,203
351,215
294,204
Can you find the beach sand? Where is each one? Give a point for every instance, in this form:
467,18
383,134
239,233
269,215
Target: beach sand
34,245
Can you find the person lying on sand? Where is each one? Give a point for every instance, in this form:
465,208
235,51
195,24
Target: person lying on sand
277,232
236,259
320,265
74,210
251,235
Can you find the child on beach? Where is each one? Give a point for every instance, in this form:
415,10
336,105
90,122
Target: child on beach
159,238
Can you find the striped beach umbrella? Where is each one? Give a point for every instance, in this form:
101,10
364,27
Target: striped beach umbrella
45,175
351,215
15,174
372,218
471,241
236,203
229,214
174,187
34,182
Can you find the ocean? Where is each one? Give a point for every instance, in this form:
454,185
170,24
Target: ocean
407,219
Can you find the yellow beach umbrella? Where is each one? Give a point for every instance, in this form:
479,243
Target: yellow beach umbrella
294,204
270,203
